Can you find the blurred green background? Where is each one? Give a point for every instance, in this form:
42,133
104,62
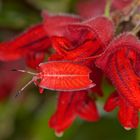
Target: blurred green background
26,117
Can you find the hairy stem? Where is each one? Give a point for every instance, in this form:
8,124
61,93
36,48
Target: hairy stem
107,8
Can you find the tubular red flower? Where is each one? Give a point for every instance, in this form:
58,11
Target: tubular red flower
118,62
33,41
128,115
70,105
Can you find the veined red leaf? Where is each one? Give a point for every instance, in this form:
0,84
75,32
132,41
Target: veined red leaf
64,76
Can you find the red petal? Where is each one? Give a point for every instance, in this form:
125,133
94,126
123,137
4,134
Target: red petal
88,48
78,33
64,76
61,45
33,60
33,40
103,27
100,28
65,113
86,107
112,102
97,77
128,115
51,23
125,79
125,40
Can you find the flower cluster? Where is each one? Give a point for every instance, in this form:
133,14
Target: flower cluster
84,51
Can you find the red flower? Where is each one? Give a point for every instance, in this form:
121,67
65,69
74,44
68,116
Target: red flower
32,42
128,114
70,105
81,41
82,55
119,62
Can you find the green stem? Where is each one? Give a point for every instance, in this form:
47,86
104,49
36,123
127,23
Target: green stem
138,133
136,29
107,8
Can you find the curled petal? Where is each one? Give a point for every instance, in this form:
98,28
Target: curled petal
61,45
64,52
33,60
128,115
85,107
103,27
112,102
95,28
34,40
51,23
65,113
79,33
125,40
